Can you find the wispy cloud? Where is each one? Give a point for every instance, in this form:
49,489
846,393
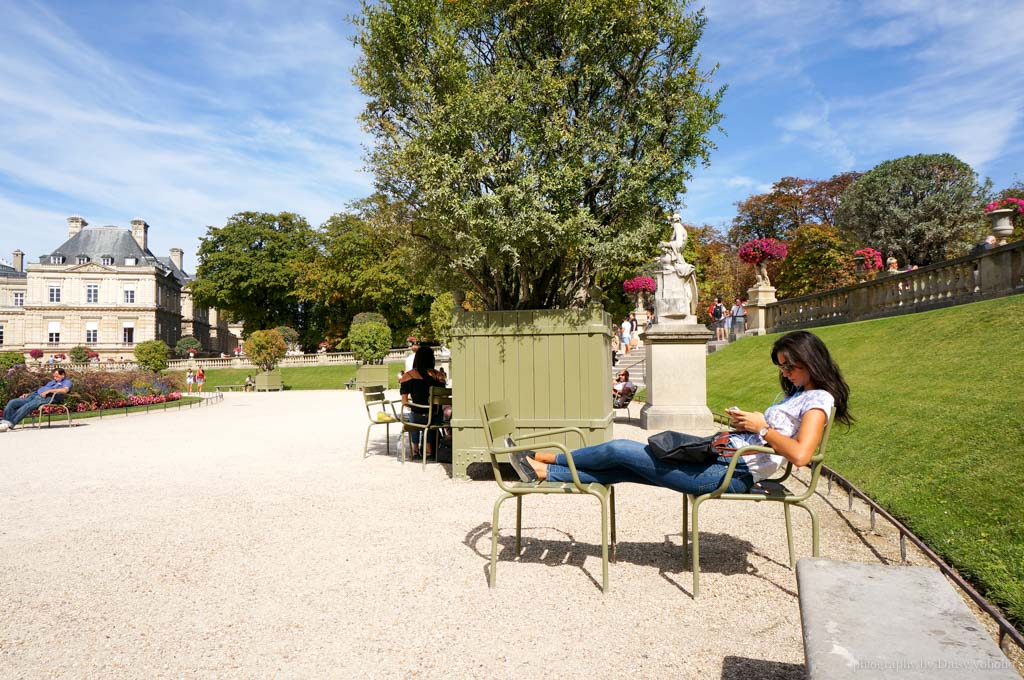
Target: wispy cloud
261,115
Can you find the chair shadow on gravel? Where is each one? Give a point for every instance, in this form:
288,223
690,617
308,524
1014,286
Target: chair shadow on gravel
720,554
741,668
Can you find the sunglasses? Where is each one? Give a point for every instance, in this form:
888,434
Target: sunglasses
788,367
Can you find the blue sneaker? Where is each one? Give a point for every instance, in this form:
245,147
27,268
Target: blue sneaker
517,459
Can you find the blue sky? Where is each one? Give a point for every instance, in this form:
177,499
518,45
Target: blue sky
184,113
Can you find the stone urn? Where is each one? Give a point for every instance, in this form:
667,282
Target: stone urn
1002,221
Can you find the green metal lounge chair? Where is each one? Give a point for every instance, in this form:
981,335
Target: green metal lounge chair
55,402
498,424
766,490
377,410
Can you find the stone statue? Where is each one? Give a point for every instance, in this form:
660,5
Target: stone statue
676,298
761,276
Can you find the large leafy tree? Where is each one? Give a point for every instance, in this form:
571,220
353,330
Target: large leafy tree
791,202
922,209
364,261
534,143
248,269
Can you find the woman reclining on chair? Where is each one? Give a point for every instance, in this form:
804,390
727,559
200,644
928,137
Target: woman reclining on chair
812,384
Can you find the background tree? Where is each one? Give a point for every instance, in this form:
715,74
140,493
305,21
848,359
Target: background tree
533,144
365,261
187,344
152,354
819,259
265,349
719,269
79,354
771,215
922,209
247,269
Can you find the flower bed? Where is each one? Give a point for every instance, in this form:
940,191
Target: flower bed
96,390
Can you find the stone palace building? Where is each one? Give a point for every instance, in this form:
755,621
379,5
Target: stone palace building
103,289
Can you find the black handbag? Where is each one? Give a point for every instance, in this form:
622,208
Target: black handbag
678,447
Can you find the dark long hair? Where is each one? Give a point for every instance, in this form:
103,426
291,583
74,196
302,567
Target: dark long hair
808,349
423,360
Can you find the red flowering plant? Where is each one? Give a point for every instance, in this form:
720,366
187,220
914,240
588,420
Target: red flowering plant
872,259
1010,202
639,284
763,249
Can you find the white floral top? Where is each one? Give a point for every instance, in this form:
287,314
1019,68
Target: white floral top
785,417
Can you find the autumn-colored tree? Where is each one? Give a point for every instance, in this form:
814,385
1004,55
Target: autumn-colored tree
818,260
719,269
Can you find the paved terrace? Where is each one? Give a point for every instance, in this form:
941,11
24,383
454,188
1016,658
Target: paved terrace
251,539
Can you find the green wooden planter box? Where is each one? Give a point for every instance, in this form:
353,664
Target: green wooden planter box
269,380
368,375
552,365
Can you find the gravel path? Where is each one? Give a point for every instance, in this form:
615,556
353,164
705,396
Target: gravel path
251,539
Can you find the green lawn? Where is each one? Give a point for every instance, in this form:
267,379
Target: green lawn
298,377
939,437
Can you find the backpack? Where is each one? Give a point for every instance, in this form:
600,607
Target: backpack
717,312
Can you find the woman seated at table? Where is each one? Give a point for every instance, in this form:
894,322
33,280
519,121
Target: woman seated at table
414,386
811,384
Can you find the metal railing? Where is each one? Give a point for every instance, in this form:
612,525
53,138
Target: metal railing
995,273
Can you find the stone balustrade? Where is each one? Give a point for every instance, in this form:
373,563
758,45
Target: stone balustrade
995,273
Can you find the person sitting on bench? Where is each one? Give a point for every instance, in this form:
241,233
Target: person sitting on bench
17,409
812,384
622,389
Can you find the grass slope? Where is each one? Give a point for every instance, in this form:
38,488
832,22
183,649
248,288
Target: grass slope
939,437
298,377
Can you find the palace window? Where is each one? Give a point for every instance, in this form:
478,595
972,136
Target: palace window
1,335
53,332
54,292
107,261
128,332
129,261
92,293
19,299
56,259
82,259
92,332
129,293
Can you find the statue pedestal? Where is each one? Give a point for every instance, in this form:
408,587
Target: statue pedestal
758,299
676,378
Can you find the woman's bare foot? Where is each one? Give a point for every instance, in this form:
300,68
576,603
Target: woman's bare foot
540,468
545,457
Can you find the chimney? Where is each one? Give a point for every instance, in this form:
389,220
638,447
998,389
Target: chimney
18,258
176,257
140,232
76,223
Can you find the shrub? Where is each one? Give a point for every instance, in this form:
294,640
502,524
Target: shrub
152,354
370,341
289,335
10,360
265,349
92,389
79,354
186,345
368,317
36,353
441,317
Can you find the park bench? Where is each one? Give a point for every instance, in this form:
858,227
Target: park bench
880,621
229,388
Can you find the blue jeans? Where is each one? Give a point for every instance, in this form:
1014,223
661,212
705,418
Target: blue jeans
17,409
623,460
420,417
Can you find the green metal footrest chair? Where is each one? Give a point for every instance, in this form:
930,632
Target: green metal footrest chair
498,424
377,410
768,490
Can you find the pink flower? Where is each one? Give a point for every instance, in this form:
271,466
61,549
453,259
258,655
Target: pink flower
1008,202
763,249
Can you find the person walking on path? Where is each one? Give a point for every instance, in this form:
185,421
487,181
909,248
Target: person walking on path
17,409
738,318
718,313
625,328
200,379
190,379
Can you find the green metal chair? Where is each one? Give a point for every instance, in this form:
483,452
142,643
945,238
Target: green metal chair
55,402
767,490
439,398
377,410
498,424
